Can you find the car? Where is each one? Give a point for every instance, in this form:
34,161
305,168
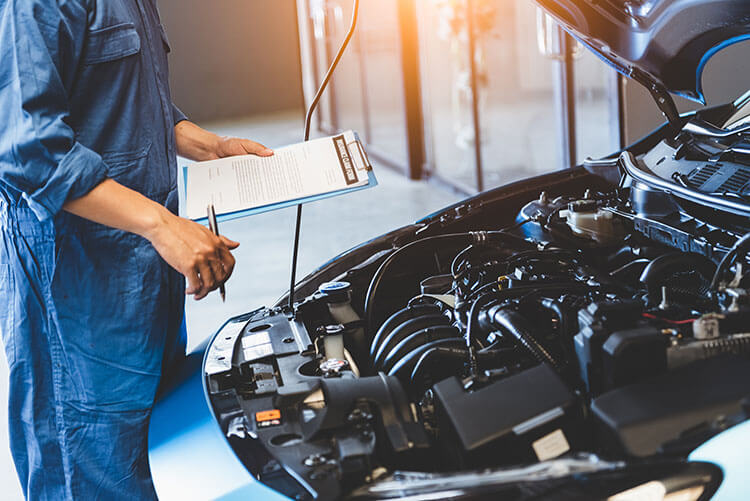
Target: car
577,335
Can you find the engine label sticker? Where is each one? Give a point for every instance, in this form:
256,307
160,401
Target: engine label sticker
550,446
256,352
256,339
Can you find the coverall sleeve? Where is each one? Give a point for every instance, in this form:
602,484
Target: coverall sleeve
177,114
41,44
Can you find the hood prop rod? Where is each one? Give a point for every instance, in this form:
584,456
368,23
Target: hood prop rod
660,95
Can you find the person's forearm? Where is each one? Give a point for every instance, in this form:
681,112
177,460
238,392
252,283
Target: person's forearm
190,248
117,206
196,143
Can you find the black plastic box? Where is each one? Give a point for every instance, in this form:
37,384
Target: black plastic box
640,418
526,417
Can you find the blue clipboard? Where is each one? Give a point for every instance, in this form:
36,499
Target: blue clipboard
228,216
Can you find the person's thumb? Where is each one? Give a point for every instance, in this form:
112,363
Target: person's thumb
229,243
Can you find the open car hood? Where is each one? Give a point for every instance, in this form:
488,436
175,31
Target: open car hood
663,44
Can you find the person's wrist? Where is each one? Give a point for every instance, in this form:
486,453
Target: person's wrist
196,143
153,221
217,147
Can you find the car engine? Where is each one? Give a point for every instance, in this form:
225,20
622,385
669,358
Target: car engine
601,320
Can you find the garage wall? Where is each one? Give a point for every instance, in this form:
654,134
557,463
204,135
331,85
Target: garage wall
726,77
233,58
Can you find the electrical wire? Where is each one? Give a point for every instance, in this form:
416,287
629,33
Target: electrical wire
457,259
669,321
308,125
739,249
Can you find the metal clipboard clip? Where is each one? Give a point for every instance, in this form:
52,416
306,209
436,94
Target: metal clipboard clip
365,160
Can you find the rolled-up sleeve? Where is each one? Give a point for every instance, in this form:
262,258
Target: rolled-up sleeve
41,42
177,114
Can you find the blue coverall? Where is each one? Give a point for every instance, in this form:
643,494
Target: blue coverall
89,315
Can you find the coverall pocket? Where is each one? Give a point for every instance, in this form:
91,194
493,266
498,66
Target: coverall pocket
122,162
111,43
7,312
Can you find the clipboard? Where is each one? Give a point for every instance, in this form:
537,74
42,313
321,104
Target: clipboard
363,165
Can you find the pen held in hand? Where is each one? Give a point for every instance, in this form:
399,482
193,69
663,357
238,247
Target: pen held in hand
213,225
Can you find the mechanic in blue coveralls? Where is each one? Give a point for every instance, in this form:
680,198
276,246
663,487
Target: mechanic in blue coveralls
92,254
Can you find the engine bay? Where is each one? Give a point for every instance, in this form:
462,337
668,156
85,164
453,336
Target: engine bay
600,326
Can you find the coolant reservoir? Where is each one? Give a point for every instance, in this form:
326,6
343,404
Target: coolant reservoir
337,296
588,220
333,342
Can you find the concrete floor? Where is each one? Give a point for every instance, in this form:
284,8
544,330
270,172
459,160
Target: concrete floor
263,259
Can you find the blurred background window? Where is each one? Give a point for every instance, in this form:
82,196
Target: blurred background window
470,93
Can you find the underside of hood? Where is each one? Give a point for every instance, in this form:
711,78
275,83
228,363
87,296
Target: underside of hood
663,44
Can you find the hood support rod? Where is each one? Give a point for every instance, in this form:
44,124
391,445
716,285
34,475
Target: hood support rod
660,95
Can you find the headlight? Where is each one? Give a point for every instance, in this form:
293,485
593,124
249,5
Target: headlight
657,491
580,477
697,481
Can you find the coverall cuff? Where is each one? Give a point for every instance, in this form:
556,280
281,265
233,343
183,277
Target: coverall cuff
177,114
80,171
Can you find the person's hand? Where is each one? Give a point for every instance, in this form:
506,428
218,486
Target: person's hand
231,146
193,250
199,144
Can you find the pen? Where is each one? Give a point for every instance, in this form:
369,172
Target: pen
213,225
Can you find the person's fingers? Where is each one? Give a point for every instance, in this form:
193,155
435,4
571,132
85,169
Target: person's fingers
208,281
229,243
217,267
227,262
255,148
194,282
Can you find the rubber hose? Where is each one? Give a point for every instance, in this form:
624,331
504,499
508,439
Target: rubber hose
416,340
405,330
403,368
661,268
476,237
454,355
380,273
514,324
436,356
397,319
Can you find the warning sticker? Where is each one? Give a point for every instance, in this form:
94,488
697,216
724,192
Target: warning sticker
550,446
268,415
268,418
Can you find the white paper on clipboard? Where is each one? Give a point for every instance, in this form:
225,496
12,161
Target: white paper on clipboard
303,172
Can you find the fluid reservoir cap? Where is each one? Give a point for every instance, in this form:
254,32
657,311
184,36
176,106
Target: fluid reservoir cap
333,366
582,206
335,290
332,330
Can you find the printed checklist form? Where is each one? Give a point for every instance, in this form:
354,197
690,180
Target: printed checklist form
245,185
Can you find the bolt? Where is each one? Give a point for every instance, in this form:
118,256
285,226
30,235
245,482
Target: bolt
664,305
314,460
